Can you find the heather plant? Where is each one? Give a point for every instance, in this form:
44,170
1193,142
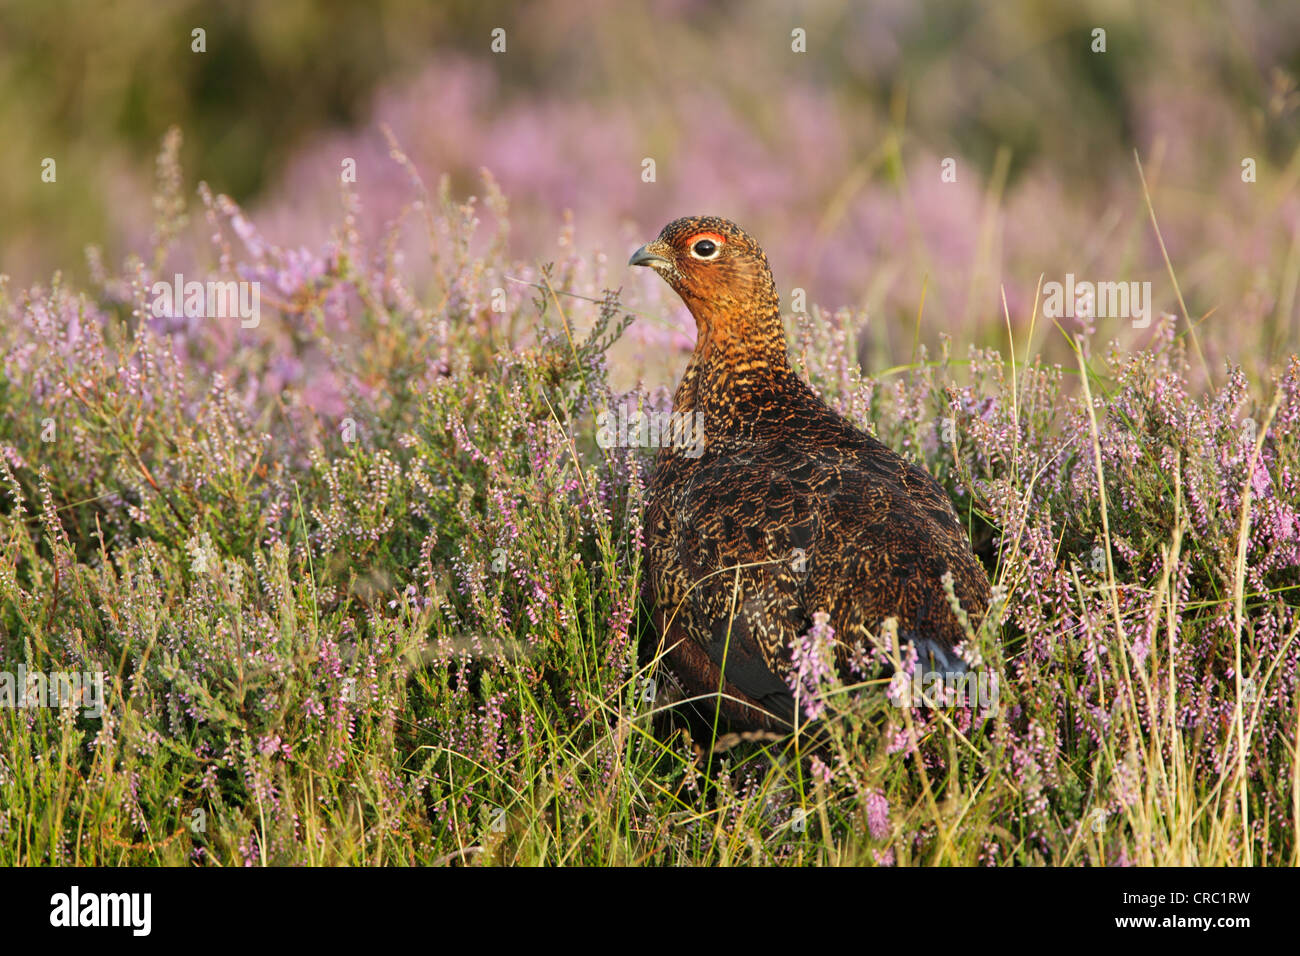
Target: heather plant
363,580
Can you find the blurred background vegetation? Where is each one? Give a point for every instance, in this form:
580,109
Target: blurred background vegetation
830,157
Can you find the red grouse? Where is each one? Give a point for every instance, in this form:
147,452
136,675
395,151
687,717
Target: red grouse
788,510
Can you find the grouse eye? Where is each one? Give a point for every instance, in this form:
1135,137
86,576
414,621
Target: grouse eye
705,245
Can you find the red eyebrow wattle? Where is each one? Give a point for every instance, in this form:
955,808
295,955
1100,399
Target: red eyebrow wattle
719,239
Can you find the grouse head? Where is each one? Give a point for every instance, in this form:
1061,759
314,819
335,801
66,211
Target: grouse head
723,277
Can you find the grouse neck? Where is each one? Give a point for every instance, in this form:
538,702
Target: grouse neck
737,373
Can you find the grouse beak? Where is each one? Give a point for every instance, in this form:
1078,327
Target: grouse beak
647,256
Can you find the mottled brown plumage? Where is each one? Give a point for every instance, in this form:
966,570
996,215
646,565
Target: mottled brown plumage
789,510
